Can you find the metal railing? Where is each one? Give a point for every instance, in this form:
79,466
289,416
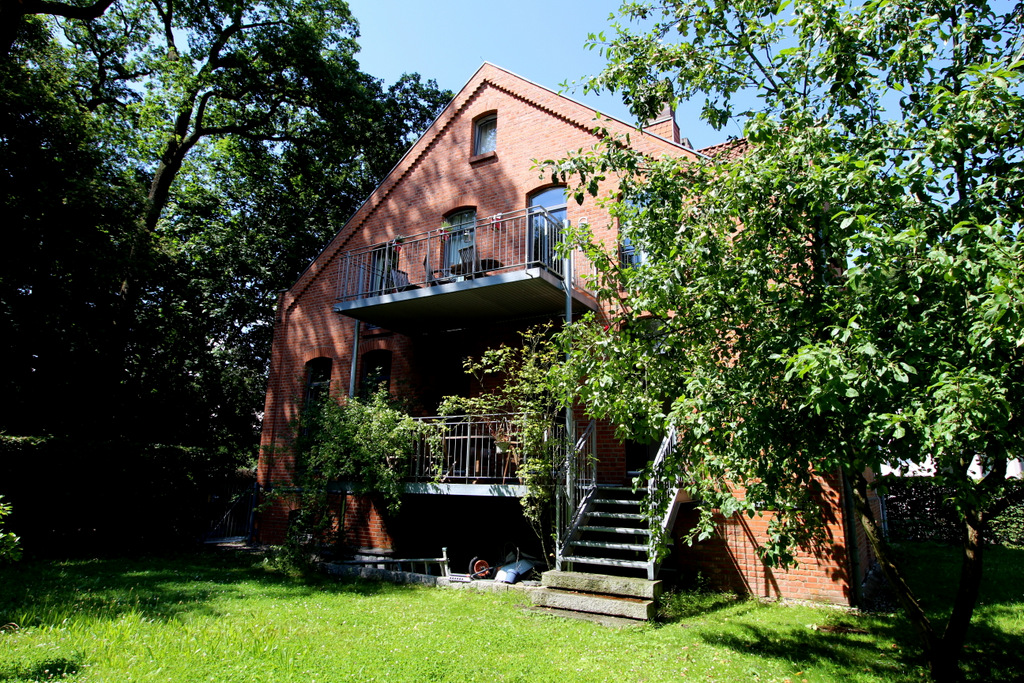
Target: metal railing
661,499
468,449
501,243
236,521
575,483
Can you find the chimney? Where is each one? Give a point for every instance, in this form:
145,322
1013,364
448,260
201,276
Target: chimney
665,125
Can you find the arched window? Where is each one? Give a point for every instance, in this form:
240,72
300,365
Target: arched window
318,380
376,372
547,209
485,134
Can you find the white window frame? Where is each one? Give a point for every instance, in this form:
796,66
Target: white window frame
461,234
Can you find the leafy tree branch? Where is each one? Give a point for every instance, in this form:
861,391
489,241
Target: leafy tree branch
847,294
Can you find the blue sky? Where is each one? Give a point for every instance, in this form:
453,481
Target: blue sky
541,41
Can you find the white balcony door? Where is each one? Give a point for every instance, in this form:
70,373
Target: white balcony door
460,236
545,225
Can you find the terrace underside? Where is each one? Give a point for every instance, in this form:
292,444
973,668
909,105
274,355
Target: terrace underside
515,294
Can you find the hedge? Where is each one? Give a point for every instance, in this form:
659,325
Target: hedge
917,510
73,497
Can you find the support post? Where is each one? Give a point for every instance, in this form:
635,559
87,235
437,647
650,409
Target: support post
355,359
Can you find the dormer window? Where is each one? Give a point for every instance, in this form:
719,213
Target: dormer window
485,134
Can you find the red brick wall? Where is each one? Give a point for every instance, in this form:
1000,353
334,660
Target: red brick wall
364,524
611,455
665,128
729,560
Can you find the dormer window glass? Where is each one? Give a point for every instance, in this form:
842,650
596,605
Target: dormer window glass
485,135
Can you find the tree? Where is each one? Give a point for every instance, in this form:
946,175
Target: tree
68,210
849,292
171,167
13,13
526,417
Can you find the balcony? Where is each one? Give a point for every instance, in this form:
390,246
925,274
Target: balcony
504,266
468,455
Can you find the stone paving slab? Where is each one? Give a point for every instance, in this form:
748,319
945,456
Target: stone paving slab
616,606
602,583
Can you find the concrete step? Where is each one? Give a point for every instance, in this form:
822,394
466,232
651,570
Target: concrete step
602,619
612,605
619,492
602,583
605,561
617,530
617,515
610,546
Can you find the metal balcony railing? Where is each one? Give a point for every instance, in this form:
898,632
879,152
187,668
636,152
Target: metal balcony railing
575,482
502,243
469,449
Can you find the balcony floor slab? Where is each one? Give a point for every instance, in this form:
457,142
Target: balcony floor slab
533,291
499,490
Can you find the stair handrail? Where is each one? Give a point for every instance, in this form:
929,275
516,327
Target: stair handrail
247,497
660,500
575,482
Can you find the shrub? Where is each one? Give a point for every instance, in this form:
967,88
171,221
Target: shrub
360,445
10,550
363,442
72,496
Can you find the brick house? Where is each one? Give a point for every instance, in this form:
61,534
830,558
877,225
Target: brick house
452,254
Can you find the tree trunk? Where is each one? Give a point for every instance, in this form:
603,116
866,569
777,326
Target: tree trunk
918,619
947,666
11,16
943,654
160,188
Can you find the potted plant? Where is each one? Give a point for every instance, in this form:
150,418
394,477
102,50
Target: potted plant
501,433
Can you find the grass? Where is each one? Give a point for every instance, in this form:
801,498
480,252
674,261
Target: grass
217,617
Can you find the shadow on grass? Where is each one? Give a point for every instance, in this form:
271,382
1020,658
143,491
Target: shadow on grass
160,588
885,645
992,651
804,647
48,670
678,606
992,654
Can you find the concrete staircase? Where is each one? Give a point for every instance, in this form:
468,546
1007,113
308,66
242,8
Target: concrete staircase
611,536
605,568
573,593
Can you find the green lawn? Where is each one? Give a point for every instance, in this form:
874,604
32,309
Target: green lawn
218,617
